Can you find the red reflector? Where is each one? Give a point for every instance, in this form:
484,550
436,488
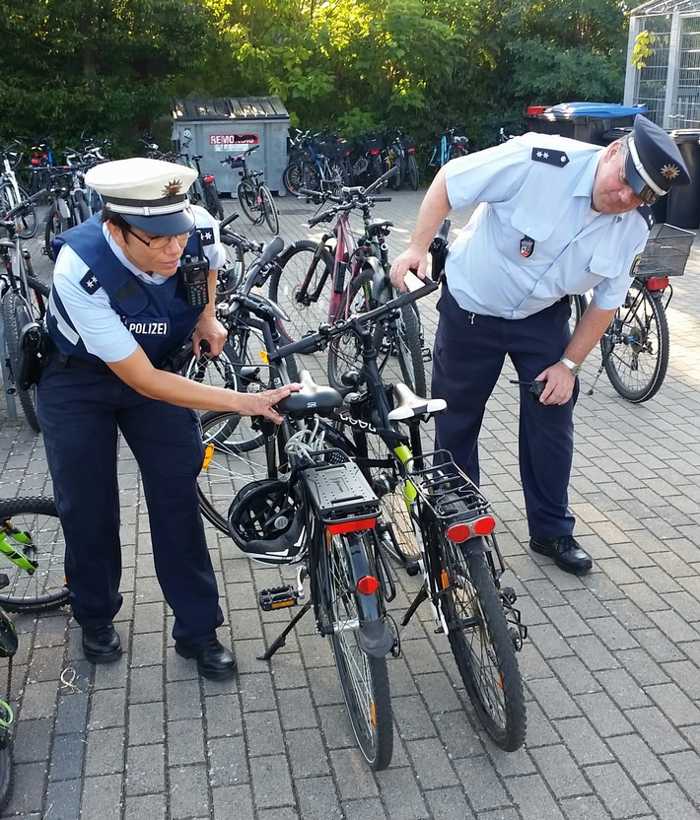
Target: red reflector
351,526
484,525
208,179
374,152
410,150
656,283
367,585
458,533
534,110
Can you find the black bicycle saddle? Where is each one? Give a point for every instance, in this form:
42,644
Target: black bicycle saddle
312,399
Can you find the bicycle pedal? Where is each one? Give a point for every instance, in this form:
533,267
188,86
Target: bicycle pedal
426,354
509,595
277,598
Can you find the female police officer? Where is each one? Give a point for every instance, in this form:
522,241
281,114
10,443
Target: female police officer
125,295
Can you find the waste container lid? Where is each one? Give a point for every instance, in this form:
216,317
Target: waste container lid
685,135
600,110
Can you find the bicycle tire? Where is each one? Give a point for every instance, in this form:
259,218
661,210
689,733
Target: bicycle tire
213,203
269,210
247,196
578,304
8,200
613,362
40,292
404,340
12,305
472,573
6,774
45,589
300,259
373,730
231,275
310,177
54,226
292,177
412,174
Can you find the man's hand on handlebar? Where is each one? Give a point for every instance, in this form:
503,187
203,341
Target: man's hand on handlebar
412,260
263,404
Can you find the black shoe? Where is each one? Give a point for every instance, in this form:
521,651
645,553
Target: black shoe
101,644
566,551
213,659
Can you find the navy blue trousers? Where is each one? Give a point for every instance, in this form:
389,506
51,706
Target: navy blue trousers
80,411
469,354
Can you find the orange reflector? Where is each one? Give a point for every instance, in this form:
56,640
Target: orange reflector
208,455
367,585
351,526
444,579
484,525
501,681
458,533
373,714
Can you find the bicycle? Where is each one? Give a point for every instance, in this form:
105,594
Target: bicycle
452,523
8,649
635,347
255,197
23,298
449,146
317,165
12,193
356,270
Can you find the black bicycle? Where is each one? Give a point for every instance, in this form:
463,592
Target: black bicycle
635,347
254,196
450,521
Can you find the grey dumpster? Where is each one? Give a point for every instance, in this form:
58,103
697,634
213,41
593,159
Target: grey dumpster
216,128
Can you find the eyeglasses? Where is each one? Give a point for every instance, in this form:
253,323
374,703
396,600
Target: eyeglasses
160,242
648,195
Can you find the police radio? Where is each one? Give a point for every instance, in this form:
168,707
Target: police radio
195,275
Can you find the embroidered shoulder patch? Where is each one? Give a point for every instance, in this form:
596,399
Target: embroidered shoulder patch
550,157
90,283
206,235
645,212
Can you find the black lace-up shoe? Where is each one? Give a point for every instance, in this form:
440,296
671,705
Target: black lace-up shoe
566,551
101,644
213,659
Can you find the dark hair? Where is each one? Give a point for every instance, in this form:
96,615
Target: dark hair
117,220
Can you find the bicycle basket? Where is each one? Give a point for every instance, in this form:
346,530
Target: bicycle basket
665,254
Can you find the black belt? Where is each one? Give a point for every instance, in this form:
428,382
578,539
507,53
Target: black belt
58,359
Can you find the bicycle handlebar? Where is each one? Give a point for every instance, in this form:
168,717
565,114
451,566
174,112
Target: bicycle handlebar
229,219
23,206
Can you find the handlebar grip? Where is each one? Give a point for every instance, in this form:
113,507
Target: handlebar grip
320,218
381,199
313,194
229,219
305,345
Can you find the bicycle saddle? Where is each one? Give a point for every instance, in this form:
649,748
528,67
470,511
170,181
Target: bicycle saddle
311,400
196,157
376,225
7,243
409,405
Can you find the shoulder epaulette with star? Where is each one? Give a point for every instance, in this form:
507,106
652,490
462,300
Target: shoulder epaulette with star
206,235
645,212
550,157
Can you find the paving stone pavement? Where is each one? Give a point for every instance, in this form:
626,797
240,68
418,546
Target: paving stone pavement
611,667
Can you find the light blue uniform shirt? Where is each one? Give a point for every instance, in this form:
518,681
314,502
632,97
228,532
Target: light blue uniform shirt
576,249
95,320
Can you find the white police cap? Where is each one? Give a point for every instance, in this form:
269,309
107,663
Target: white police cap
148,193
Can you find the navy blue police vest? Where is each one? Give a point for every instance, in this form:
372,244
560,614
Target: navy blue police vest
158,316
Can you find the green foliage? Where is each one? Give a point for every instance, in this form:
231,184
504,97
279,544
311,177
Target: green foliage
112,66
642,50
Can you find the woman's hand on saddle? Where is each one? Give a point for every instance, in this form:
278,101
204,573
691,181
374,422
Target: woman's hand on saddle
263,404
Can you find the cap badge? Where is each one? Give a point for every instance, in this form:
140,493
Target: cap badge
172,188
670,171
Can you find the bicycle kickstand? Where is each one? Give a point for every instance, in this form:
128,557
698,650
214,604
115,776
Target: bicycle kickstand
281,640
417,601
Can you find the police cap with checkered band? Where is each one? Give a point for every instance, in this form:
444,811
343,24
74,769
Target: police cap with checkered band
653,163
147,193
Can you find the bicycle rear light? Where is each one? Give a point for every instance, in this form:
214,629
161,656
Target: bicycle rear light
655,283
344,527
367,585
208,179
458,533
484,525
461,531
410,150
374,152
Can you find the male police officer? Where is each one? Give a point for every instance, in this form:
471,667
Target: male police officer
556,217
129,288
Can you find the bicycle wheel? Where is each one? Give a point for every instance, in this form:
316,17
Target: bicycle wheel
269,210
26,223
310,177
635,346
229,463
578,304
231,275
482,646
301,286
248,197
55,225
412,172
6,771
363,678
396,336
292,177
15,314
213,203
31,526
39,294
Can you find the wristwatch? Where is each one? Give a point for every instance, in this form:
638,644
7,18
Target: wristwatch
573,367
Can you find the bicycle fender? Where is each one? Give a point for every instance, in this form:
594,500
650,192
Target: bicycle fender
375,638
367,605
474,546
